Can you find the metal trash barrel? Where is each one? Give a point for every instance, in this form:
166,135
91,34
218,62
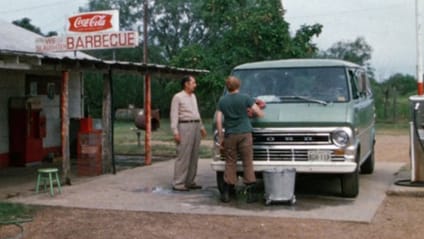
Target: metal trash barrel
279,185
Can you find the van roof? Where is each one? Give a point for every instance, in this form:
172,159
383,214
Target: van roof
293,63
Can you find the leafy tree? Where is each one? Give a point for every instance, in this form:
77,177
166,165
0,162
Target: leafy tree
391,97
302,45
130,11
176,25
210,34
26,23
241,31
357,51
404,84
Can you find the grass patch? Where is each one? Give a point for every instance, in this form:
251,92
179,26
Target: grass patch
125,140
10,212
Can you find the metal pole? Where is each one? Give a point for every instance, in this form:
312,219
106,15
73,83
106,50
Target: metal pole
147,95
419,48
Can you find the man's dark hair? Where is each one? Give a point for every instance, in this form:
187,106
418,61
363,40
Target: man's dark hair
184,80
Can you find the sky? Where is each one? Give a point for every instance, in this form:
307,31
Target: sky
387,25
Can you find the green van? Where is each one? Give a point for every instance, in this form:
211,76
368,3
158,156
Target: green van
319,118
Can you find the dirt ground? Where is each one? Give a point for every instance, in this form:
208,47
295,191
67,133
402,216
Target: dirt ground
397,217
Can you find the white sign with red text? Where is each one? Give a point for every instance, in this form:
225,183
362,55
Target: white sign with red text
87,41
94,22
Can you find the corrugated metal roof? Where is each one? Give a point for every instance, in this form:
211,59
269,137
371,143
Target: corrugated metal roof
19,42
17,39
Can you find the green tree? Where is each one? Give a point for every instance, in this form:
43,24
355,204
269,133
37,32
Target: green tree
26,23
241,31
211,34
357,51
391,97
176,25
405,84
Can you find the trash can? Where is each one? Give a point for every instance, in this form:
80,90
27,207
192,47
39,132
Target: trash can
89,161
279,185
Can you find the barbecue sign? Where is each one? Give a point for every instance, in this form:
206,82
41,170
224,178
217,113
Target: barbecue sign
90,31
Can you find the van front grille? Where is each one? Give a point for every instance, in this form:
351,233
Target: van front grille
271,138
269,154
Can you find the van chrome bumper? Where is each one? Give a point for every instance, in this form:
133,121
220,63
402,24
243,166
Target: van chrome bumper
301,167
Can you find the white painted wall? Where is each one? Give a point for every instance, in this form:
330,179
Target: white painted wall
51,108
12,84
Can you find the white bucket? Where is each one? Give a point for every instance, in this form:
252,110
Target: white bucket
279,185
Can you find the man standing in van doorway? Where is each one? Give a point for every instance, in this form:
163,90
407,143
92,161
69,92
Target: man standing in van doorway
238,137
187,127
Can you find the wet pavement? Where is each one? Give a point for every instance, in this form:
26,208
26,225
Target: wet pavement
148,188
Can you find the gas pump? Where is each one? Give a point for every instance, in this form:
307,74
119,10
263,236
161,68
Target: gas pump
416,133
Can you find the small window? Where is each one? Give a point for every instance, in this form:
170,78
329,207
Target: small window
354,83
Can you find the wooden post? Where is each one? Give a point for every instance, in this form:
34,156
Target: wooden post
148,115
106,123
147,96
66,162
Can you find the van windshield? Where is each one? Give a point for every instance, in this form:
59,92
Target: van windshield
314,84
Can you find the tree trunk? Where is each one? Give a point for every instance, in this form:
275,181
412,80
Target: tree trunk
394,95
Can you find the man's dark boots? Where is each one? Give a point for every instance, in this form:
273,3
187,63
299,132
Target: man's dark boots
251,195
225,194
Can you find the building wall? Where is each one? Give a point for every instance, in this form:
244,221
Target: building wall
12,84
51,108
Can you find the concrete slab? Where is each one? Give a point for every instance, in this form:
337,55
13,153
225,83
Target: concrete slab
148,189
403,186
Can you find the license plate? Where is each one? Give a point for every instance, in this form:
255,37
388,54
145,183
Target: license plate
319,155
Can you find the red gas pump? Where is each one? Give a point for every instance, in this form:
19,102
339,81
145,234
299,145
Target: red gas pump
27,128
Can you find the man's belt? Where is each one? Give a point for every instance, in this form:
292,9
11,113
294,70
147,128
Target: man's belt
188,121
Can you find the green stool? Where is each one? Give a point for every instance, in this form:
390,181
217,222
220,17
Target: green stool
50,175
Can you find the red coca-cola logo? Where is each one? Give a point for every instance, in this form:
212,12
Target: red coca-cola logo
90,22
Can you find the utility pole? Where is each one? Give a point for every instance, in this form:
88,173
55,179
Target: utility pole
419,47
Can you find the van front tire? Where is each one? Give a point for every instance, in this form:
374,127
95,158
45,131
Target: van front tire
350,184
368,166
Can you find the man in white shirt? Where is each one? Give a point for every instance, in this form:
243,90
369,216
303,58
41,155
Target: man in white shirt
187,127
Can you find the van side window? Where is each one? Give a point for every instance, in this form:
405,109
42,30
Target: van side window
363,83
354,83
367,84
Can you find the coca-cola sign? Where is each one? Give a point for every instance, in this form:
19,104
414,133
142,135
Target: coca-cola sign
94,21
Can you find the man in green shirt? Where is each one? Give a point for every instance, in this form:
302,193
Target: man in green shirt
232,115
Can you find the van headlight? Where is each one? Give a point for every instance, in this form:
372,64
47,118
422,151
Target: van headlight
340,138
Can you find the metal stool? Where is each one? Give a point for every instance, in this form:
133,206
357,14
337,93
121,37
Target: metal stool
50,175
